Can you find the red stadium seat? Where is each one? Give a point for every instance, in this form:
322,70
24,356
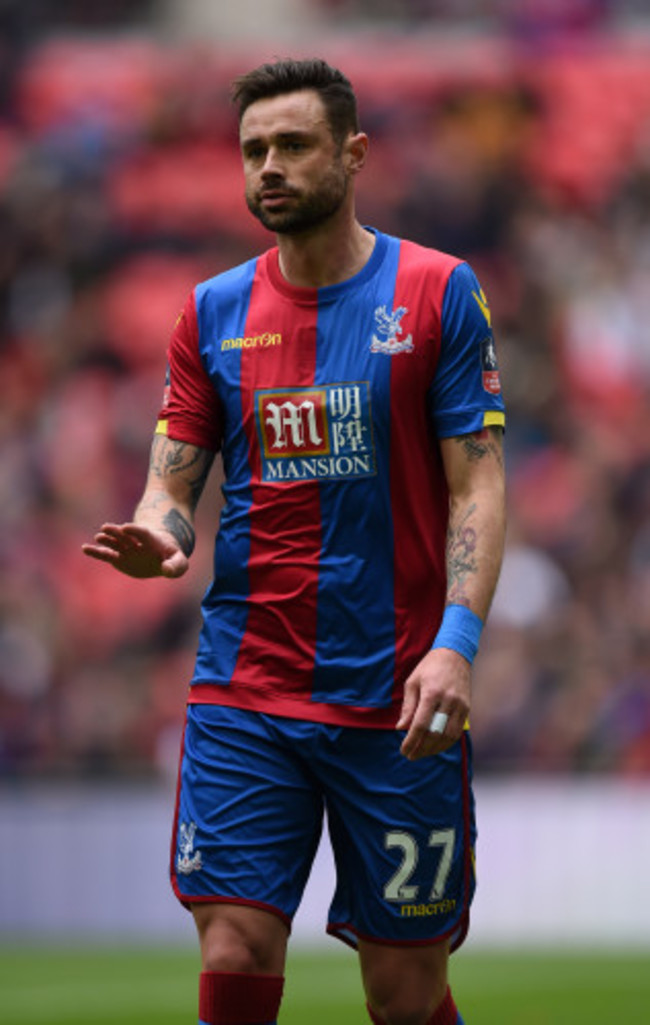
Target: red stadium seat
193,188
113,81
141,302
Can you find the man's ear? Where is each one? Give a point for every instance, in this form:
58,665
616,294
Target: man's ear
355,151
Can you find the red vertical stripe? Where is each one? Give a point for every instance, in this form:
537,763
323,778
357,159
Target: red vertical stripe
419,495
285,533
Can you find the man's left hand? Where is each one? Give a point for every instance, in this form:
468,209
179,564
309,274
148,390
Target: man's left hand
441,682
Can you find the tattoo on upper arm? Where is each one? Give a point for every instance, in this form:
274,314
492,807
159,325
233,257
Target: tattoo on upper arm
181,529
170,458
461,557
482,443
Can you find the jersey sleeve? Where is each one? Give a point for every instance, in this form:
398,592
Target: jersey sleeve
191,410
465,395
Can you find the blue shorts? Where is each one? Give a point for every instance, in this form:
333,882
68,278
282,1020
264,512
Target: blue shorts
252,794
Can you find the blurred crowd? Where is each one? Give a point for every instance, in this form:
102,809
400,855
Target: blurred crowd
120,188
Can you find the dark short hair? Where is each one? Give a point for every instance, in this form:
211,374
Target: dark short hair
288,76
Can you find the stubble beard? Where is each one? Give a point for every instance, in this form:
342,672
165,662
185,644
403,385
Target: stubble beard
307,211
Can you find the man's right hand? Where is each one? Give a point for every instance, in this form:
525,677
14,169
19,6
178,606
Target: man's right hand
138,551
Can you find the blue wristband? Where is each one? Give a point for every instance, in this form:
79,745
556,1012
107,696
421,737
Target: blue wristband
460,630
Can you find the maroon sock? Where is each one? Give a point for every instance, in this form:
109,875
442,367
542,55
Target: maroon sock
228,998
445,1013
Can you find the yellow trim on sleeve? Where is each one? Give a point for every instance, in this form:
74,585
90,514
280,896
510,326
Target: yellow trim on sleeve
161,427
494,418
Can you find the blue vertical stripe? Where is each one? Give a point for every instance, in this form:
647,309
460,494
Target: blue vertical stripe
222,310
355,594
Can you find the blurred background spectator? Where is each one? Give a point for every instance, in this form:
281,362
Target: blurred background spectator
515,134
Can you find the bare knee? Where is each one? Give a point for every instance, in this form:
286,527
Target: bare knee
237,938
404,986
398,1007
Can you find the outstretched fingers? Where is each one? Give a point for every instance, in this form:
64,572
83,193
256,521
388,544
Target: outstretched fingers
137,551
107,543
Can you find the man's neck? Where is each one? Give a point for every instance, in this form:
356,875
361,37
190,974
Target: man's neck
326,256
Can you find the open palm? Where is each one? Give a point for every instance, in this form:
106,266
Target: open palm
137,551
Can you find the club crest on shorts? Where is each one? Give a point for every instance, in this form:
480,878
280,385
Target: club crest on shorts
387,330
188,859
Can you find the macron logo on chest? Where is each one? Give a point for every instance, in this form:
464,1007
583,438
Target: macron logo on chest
265,340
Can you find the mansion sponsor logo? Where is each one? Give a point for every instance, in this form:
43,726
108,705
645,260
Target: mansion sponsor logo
315,433
267,340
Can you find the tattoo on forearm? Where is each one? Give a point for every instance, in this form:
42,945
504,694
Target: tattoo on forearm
181,529
152,502
462,562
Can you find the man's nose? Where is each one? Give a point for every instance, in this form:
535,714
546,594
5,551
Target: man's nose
272,165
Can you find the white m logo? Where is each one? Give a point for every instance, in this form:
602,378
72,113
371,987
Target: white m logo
293,426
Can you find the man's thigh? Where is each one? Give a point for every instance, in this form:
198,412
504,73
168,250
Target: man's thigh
403,834
248,819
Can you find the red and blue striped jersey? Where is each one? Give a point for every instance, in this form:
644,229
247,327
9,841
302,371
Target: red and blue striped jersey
327,405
